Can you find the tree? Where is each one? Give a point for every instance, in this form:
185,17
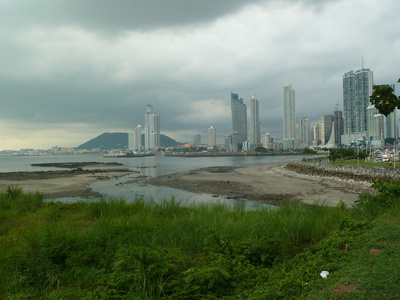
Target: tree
309,151
384,99
261,149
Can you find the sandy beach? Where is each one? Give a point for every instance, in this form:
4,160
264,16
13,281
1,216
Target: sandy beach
67,183
270,184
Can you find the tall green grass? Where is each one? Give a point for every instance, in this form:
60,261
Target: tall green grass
112,248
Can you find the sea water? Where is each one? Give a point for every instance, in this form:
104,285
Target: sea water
133,185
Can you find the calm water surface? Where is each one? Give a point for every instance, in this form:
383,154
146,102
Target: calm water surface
132,186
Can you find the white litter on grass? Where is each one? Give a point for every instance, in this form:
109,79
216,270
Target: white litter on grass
324,274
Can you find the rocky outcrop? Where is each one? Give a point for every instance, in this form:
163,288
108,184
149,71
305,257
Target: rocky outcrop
344,172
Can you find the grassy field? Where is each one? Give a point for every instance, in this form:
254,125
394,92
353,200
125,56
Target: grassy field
362,162
113,249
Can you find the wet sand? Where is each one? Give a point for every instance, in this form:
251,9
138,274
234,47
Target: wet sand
58,184
270,184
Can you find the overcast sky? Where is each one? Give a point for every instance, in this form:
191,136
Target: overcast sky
72,69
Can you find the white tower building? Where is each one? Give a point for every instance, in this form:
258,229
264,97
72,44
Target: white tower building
289,115
212,137
151,129
255,127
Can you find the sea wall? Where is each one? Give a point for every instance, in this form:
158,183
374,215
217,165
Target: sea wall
344,172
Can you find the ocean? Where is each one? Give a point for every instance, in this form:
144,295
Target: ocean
129,187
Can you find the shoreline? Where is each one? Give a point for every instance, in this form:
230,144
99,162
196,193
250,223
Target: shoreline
60,184
271,184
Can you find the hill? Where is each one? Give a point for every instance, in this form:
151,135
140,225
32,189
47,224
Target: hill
119,140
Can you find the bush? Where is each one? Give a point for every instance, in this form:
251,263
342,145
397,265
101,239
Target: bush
387,198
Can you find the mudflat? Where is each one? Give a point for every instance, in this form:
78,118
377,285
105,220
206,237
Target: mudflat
62,183
270,184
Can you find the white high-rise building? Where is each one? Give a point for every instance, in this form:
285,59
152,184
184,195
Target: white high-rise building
305,131
212,137
255,127
317,134
375,125
266,140
151,129
289,114
135,139
239,122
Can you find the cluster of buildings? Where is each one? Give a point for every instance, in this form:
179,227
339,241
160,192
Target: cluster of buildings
151,133
358,123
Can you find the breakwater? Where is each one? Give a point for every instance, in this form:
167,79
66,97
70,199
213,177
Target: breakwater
345,172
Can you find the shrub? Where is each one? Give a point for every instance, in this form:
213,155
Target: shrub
372,205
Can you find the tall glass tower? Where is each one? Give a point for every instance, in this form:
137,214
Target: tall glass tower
151,129
289,115
357,87
239,121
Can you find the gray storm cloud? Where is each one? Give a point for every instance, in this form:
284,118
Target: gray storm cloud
98,63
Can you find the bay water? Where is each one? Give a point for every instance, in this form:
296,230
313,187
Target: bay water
133,186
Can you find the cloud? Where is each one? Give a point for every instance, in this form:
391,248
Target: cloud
100,62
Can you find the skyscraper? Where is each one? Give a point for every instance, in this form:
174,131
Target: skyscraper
317,134
151,129
338,126
327,122
267,140
289,115
135,139
212,137
357,87
305,131
197,139
239,121
391,125
375,124
255,130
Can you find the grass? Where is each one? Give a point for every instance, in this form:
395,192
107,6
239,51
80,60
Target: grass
143,250
363,163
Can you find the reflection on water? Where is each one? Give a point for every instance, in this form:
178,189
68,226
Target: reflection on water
132,186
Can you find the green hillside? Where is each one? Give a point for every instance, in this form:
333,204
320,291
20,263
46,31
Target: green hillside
119,140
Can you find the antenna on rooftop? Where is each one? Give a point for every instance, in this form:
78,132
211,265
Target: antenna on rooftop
337,107
362,62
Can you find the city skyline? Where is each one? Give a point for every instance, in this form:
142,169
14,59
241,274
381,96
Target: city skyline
67,77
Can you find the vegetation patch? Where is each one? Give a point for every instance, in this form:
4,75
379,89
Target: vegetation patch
114,249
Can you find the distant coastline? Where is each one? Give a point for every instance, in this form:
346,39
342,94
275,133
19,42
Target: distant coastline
220,154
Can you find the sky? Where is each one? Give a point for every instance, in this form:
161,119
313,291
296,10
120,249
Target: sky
71,69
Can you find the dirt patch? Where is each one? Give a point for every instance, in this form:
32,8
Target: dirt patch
345,289
375,252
